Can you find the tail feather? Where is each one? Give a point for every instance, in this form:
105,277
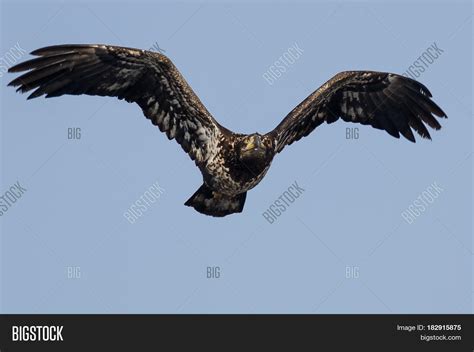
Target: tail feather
209,202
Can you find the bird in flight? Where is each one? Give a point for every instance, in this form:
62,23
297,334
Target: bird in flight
230,163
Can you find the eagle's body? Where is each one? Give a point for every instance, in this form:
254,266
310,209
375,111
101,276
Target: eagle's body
226,173
227,177
230,163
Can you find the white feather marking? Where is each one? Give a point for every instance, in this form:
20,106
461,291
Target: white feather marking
201,132
154,108
173,131
117,85
191,125
351,111
159,118
166,122
344,106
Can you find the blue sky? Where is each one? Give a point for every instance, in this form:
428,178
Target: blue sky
341,247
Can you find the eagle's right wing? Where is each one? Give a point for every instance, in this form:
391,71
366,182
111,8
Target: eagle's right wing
147,78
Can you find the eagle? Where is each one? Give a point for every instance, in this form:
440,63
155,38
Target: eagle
230,163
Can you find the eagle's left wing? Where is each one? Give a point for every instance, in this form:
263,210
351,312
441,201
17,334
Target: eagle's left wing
385,101
147,78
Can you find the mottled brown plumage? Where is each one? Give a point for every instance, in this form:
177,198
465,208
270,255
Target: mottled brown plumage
231,163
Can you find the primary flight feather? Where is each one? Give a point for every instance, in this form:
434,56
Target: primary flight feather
231,163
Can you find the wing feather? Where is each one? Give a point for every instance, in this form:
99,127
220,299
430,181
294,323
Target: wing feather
385,101
147,78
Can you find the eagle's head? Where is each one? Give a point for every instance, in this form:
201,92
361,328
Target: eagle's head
253,148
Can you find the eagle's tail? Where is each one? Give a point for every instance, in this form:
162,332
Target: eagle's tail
213,203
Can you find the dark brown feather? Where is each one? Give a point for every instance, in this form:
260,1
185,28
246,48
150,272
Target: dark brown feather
146,78
383,100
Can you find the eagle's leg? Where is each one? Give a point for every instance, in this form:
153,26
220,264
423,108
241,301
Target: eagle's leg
210,202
